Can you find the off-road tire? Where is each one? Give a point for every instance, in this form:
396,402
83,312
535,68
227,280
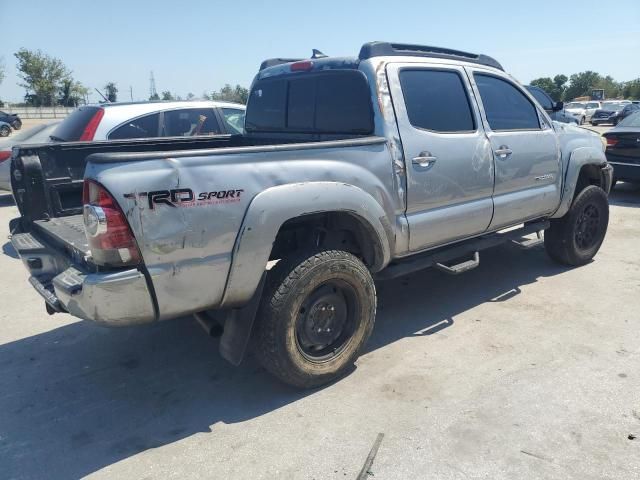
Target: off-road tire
561,238
5,131
289,285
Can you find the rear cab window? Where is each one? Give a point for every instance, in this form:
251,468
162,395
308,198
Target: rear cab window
325,102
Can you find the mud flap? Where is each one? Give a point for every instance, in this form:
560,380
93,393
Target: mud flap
238,326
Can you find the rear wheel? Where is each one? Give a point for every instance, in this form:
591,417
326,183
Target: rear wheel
5,130
317,312
575,238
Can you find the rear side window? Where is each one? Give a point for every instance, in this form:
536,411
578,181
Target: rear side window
190,122
506,107
437,100
72,127
543,99
143,127
335,102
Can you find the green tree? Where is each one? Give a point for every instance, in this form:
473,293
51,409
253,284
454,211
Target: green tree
111,92
154,97
190,96
71,93
582,84
612,89
632,89
228,93
166,95
42,76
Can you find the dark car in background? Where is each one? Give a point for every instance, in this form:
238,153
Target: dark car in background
554,109
612,112
12,119
623,149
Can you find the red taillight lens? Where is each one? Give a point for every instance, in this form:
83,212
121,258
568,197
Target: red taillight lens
108,233
92,126
612,141
304,66
4,155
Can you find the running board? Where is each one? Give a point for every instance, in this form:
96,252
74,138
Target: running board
461,267
441,256
528,243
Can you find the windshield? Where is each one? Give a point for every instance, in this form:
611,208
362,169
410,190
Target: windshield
574,105
615,106
632,120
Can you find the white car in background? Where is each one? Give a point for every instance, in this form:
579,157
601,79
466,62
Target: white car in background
583,111
118,121
37,134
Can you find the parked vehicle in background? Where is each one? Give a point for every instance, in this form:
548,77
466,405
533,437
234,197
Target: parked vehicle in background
117,121
577,110
403,158
553,108
629,109
5,129
609,113
623,149
12,119
37,134
590,109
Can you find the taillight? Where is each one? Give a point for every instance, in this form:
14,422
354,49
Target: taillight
303,66
92,126
612,141
4,155
108,233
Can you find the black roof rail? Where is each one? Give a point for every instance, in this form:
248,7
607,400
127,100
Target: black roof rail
387,49
272,62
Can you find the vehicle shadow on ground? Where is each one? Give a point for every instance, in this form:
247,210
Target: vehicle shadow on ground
9,251
80,397
625,195
6,200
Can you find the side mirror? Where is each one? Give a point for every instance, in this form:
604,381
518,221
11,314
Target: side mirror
558,106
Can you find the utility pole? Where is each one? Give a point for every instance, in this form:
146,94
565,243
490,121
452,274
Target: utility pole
152,86
131,92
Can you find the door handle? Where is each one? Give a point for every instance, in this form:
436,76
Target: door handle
503,151
424,160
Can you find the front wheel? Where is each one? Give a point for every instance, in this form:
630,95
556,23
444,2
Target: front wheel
5,131
17,125
575,238
581,120
317,312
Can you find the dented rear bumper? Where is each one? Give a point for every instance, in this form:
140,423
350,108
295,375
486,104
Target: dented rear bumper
115,298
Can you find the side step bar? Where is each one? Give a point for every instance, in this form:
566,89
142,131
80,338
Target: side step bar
441,256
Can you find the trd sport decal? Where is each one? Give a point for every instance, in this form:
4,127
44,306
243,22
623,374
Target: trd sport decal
184,197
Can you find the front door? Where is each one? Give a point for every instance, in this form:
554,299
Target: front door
448,157
526,151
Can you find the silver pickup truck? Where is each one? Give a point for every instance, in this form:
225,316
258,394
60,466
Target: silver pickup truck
351,169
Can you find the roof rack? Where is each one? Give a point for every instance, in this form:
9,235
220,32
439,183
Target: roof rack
386,49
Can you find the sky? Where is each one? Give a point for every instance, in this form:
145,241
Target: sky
196,45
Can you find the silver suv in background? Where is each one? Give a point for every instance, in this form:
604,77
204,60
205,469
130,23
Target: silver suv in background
117,121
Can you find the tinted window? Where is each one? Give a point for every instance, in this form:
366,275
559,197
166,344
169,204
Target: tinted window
543,99
593,105
632,120
190,122
234,119
143,127
436,100
505,106
335,101
72,127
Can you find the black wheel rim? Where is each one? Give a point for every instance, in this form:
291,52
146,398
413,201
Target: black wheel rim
326,321
587,227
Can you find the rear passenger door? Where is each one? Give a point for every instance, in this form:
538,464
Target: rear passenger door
447,155
190,122
525,148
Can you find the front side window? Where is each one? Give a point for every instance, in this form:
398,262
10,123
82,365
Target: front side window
506,107
142,127
234,119
543,99
437,100
190,122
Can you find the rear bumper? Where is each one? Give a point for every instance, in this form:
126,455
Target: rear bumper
109,298
626,171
